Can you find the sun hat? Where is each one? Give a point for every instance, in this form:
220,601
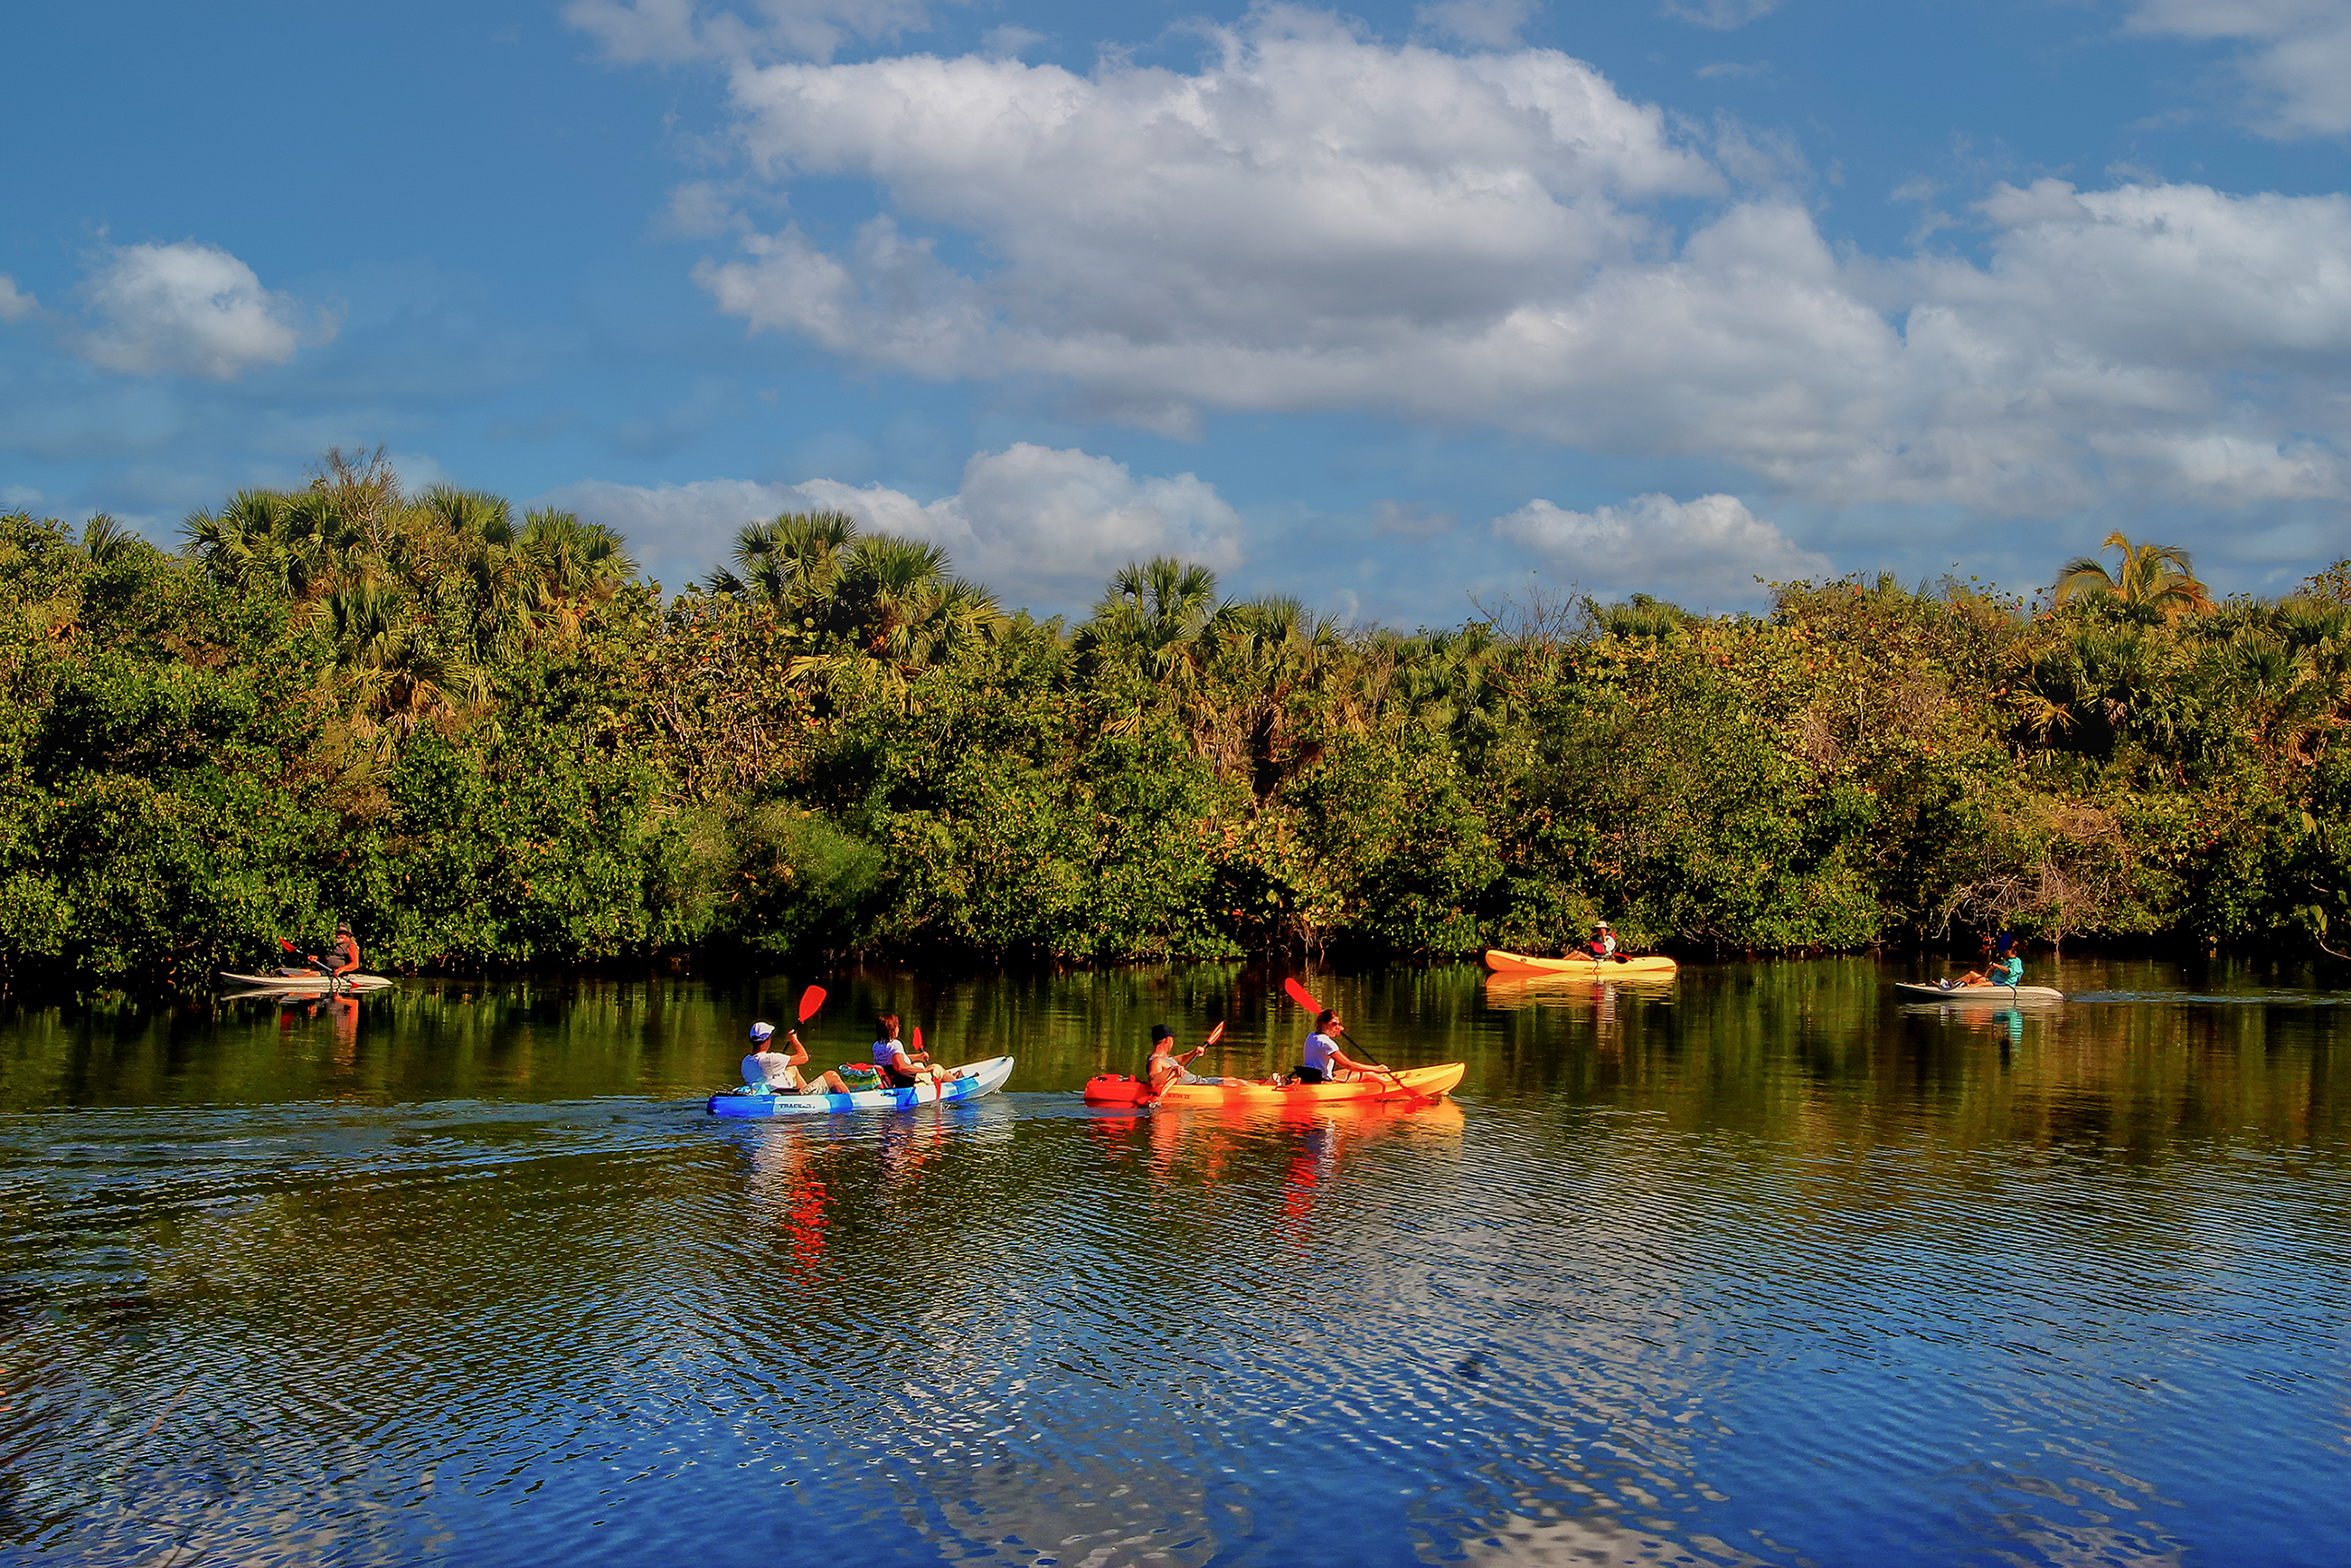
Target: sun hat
763,1031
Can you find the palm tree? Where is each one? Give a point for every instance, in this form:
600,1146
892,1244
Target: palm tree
1272,651
571,565
1644,616
1158,616
2154,580
792,562
261,537
397,677
897,602
2277,691
104,539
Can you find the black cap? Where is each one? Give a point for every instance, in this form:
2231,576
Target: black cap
1160,1032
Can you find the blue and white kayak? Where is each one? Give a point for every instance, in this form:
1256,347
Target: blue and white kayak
987,1078
2005,995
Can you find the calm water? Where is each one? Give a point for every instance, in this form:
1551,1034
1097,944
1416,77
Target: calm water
1752,1267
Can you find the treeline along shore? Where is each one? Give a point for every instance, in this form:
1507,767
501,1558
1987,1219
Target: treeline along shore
489,742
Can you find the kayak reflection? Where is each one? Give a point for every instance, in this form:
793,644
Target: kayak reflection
1204,1141
1510,992
2005,1024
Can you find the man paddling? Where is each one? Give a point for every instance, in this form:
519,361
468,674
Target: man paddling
767,1071
2008,971
1166,1068
343,954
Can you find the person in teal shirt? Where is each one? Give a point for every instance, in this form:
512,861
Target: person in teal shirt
2008,971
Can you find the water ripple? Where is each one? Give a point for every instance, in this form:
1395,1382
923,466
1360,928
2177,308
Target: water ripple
1619,1315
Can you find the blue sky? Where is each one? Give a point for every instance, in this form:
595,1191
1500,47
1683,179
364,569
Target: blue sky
1387,308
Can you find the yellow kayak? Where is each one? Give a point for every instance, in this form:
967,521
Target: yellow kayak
1582,964
1114,1089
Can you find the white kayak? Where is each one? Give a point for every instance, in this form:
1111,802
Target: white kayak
1929,992
302,982
986,1077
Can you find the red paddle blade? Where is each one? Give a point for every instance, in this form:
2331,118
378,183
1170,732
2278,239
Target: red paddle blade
810,999
1214,1035
918,1039
1300,995
285,944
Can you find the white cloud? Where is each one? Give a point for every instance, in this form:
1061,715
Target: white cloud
697,210
1299,205
1720,14
2297,60
1705,554
1408,521
670,32
1482,24
190,309
1009,40
14,303
1042,528
1316,220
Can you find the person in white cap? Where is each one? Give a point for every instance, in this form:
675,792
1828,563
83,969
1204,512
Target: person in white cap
1604,941
767,1071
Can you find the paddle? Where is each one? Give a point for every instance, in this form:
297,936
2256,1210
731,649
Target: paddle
1305,999
333,984
1214,1035
936,1082
810,999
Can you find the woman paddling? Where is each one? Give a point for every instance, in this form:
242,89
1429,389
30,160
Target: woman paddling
899,1068
767,1071
1323,1058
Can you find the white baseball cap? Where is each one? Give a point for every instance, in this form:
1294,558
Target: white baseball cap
763,1031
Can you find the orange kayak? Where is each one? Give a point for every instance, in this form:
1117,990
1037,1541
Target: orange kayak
1117,1089
1504,963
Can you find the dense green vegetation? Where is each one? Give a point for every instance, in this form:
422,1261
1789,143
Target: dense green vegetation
490,744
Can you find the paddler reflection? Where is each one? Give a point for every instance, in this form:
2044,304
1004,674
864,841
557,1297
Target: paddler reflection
908,1146
341,1011
1313,1160
1325,1141
784,1194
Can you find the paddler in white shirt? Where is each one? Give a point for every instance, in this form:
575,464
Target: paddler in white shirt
1324,1061
767,1071
900,1068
